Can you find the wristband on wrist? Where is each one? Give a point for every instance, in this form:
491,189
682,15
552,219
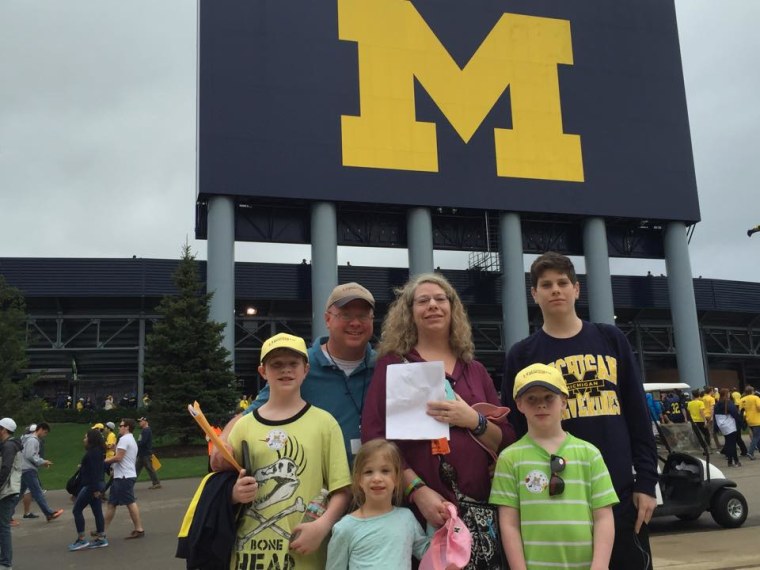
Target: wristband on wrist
413,486
482,426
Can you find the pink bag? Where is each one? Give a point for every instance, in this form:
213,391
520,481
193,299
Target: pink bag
450,546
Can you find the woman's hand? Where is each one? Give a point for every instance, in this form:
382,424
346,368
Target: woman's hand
245,489
455,412
431,505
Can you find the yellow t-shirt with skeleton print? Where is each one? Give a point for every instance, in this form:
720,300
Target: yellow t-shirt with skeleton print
292,461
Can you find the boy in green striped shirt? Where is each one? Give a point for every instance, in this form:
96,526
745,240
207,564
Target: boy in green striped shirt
554,492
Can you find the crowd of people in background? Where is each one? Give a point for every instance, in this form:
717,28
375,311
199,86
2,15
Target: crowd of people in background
107,473
65,401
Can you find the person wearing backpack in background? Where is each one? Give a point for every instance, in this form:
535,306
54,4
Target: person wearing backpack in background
10,485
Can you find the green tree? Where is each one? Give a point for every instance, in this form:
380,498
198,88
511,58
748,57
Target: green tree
16,398
185,359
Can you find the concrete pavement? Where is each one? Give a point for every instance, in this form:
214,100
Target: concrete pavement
677,545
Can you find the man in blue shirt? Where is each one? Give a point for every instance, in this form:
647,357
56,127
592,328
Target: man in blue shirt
145,453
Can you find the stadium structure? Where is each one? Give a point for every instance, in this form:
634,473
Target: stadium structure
96,312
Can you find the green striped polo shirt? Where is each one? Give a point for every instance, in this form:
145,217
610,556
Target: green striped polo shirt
557,532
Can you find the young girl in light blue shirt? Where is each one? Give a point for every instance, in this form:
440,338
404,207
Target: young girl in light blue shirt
377,534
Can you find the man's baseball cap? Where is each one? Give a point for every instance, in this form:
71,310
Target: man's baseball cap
344,294
539,375
8,424
142,419
284,340
111,425
98,426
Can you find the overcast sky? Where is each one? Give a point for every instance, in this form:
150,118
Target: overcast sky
97,134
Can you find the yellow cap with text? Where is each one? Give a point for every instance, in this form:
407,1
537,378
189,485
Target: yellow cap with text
284,340
539,375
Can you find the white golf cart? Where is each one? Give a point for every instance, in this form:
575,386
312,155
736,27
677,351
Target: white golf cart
690,485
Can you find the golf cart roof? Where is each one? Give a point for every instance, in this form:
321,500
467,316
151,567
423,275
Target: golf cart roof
665,386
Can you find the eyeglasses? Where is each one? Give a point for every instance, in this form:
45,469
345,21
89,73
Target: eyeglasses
425,300
122,425
348,317
556,484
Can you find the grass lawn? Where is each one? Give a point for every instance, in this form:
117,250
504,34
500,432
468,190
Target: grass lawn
64,447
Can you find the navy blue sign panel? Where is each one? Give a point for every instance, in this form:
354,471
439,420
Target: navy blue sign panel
563,107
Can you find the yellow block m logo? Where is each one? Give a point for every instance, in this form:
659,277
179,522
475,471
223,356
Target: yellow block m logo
521,52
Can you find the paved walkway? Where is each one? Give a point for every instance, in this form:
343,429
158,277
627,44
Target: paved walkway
698,545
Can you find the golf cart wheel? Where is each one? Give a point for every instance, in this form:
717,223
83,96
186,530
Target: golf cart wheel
689,517
729,508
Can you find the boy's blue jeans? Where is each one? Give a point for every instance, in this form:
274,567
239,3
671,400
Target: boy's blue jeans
30,480
7,504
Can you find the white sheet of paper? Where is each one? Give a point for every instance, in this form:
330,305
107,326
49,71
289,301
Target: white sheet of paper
408,388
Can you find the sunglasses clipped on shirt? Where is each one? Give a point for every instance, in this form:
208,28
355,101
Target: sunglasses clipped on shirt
556,483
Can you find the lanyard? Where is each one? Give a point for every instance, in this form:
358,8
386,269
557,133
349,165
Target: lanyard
359,407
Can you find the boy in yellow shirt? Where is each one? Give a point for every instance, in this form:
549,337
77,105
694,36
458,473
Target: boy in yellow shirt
295,450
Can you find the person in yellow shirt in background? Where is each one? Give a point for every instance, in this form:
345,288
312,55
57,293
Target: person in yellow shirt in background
244,403
709,399
750,403
110,439
696,409
110,436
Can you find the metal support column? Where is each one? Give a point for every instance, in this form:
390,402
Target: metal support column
640,352
598,281
683,306
514,302
140,361
419,241
324,262
220,268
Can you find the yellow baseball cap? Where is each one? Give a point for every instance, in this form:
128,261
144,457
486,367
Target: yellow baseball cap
284,340
539,375
98,426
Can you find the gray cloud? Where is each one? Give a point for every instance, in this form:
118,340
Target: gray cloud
97,134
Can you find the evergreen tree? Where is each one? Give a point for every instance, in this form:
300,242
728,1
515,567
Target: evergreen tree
16,399
185,359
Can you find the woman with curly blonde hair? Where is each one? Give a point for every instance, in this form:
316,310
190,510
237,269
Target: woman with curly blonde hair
399,334
427,322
